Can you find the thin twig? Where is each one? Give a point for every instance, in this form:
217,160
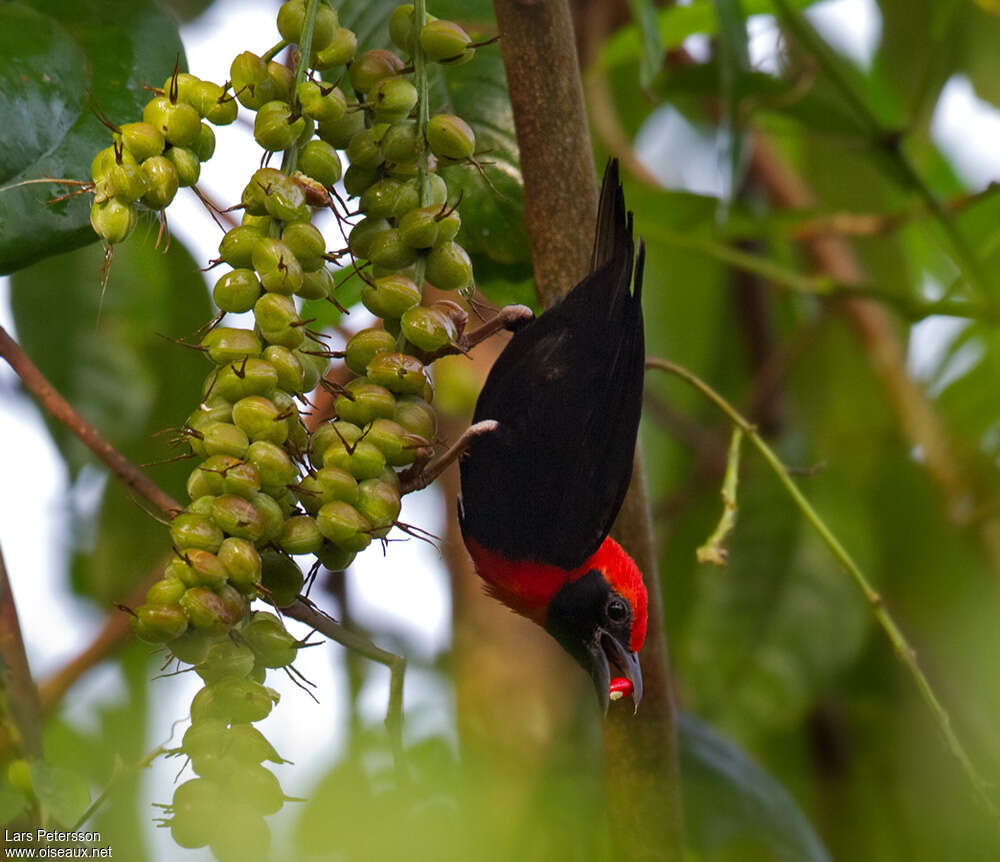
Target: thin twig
424,475
60,409
305,611
902,647
112,635
22,696
714,551
888,141
118,776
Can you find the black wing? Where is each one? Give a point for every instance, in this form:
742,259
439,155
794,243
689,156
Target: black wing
567,393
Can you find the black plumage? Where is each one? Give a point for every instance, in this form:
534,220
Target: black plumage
567,394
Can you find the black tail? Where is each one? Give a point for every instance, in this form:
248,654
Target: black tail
567,393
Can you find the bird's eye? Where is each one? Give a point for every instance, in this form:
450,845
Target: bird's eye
617,611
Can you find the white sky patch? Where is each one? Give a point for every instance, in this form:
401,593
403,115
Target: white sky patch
852,27
967,129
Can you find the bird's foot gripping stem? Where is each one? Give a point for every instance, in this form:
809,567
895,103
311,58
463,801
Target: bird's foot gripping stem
420,475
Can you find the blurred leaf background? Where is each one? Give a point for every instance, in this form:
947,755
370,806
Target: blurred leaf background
813,251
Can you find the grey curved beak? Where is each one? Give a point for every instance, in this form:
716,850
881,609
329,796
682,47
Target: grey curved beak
605,652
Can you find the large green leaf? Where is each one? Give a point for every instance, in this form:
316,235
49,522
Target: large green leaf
104,352
733,810
60,62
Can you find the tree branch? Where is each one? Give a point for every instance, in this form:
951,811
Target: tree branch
59,409
560,192
560,203
306,612
21,692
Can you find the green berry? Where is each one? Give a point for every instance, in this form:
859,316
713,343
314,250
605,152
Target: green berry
241,701
237,246
166,591
364,460
224,659
391,438
335,558
363,346
206,610
237,291
399,143
277,266
388,250
225,344
357,179
364,401
142,140
416,416
319,161
389,297
450,137
195,531
281,577
287,367
322,102
278,320
379,503
272,463
204,147
446,42
159,623
179,123
428,329
371,67
242,563
363,233
364,150
318,284
187,165
400,373
224,438
339,52
338,133
276,127
246,377
112,220
341,523
197,568
258,418
419,227
300,535
162,182
448,266
306,243
392,98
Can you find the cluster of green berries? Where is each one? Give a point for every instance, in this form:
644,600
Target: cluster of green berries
225,805
149,160
266,489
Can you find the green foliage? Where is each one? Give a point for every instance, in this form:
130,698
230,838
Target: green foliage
778,649
61,63
110,355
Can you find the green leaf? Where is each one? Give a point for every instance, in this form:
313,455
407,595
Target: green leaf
651,58
734,810
60,61
107,359
677,23
63,794
12,803
734,58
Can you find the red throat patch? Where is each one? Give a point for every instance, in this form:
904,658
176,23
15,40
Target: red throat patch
527,587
